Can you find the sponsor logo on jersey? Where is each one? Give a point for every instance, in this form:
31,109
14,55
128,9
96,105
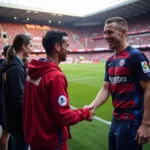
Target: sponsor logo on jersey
117,79
145,67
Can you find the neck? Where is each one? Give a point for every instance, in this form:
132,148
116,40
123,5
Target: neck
53,59
20,55
122,47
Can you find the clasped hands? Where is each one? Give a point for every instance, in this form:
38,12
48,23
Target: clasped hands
92,112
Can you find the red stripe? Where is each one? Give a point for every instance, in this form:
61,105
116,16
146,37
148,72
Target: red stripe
124,104
124,116
119,88
118,71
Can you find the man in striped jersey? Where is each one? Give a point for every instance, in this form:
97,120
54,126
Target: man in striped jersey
127,80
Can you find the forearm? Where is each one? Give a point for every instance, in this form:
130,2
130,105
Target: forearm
68,117
146,117
101,98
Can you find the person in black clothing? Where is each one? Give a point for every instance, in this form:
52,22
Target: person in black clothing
14,77
5,134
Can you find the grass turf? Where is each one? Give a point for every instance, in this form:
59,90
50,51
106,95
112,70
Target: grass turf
84,82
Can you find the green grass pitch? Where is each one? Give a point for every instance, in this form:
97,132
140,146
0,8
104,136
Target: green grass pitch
84,82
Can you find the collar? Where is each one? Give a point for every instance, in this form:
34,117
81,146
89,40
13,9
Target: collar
19,59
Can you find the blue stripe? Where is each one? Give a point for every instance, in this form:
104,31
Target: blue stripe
125,96
136,97
60,137
57,148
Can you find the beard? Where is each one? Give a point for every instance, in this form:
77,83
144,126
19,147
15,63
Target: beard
62,57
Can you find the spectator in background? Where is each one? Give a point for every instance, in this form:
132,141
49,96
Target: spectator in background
14,77
5,134
127,79
42,59
47,114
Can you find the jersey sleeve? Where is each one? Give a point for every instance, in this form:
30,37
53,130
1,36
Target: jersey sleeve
62,113
140,66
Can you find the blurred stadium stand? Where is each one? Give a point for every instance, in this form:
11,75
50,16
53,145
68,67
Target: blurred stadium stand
85,33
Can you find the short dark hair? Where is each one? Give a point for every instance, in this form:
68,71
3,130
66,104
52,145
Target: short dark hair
120,22
5,50
51,38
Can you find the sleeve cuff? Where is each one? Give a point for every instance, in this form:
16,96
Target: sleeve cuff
87,113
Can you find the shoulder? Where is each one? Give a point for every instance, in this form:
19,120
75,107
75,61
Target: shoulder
16,70
55,75
17,67
134,52
60,75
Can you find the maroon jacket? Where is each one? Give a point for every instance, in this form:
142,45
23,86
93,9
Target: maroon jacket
47,114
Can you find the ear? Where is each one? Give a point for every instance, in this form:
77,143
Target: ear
23,46
124,31
57,47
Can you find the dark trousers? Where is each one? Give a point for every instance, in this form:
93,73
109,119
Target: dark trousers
122,136
18,143
9,143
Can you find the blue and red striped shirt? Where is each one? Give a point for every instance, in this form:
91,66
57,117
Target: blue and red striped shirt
124,71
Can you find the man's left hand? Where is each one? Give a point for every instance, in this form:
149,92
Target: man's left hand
143,134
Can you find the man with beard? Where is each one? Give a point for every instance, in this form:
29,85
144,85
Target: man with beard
127,79
47,114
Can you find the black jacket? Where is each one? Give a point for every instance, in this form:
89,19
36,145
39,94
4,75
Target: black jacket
14,77
1,109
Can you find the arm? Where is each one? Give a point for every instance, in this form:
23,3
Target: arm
16,79
102,96
143,133
104,92
141,73
63,115
146,87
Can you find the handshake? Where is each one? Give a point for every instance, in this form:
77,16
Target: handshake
92,112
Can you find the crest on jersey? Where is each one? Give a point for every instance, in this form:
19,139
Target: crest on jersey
62,100
122,62
145,66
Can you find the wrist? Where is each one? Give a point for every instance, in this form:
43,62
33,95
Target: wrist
92,106
145,123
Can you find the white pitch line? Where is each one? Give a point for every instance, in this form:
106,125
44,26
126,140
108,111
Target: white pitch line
97,118
86,78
